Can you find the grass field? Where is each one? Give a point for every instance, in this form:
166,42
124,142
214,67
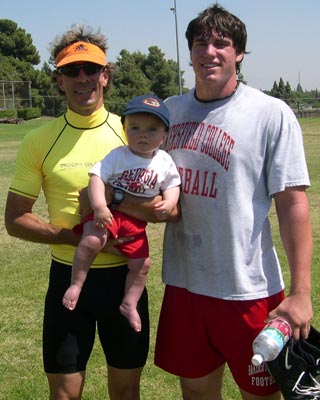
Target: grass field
24,277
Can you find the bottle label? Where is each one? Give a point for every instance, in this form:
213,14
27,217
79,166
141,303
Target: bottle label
279,329
270,341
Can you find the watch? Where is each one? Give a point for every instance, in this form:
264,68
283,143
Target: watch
117,198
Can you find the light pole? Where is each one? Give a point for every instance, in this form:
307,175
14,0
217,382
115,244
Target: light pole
174,10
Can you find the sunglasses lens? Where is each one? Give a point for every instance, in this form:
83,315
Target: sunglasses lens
73,70
69,71
91,69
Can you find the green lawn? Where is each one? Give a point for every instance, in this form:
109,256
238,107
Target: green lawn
24,272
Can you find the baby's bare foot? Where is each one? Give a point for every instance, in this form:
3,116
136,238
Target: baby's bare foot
132,315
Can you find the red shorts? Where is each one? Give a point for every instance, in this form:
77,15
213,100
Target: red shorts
123,226
197,334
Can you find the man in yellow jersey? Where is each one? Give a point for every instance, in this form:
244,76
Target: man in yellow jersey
57,157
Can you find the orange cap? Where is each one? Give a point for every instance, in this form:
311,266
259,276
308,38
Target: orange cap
81,51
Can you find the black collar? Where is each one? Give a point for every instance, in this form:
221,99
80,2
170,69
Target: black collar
220,98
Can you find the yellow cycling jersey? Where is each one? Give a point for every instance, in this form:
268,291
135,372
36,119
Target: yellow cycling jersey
56,158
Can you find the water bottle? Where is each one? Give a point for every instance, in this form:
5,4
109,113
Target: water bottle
270,341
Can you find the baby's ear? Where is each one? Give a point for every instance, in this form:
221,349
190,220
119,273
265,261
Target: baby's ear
164,137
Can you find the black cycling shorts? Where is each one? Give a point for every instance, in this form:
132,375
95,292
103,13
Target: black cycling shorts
68,336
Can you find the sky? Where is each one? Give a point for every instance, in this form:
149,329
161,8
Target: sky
283,35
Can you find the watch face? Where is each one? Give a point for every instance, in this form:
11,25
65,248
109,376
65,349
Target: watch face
118,196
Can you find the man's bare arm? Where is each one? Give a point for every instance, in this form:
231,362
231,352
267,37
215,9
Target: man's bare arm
138,207
22,223
295,229
143,208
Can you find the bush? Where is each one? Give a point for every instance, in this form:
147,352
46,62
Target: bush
8,113
29,113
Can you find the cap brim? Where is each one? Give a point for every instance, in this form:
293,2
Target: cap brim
81,52
137,110
82,58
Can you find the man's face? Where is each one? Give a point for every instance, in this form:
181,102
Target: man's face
84,91
214,59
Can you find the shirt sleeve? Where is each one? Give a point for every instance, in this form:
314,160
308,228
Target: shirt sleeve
27,179
286,162
172,178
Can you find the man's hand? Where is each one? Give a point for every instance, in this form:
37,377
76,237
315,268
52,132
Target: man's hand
297,310
111,248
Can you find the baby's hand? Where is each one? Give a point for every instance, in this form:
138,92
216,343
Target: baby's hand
162,210
103,217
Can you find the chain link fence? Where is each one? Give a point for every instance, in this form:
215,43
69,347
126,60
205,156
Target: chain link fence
15,95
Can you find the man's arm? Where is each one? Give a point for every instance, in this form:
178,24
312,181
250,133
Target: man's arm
296,235
22,223
138,207
143,208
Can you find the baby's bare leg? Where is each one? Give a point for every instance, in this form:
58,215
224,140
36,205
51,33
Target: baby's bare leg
92,241
135,284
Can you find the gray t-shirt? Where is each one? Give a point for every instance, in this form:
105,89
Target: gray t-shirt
232,155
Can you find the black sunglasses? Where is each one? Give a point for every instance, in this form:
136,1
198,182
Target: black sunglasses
73,70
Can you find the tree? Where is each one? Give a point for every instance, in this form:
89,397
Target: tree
163,74
281,89
287,93
299,88
287,90
241,78
274,91
45,93
139,74
7,70
129,80
17,56
16,43
297,99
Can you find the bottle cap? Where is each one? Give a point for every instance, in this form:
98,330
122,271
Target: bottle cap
257,359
